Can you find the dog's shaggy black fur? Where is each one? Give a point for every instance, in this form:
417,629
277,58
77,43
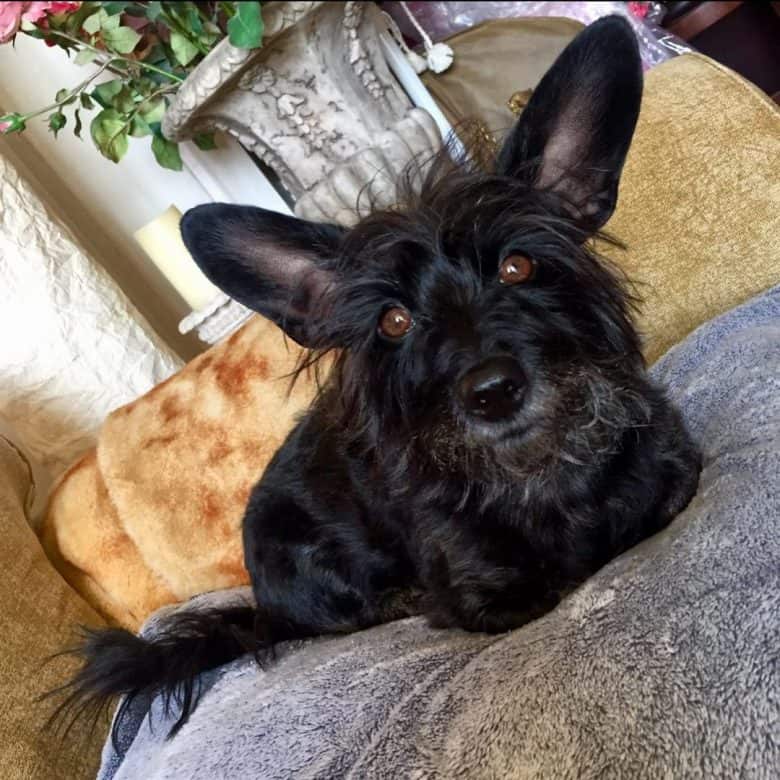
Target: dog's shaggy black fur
483,464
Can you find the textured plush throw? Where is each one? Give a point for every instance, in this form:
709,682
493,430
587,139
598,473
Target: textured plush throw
664,664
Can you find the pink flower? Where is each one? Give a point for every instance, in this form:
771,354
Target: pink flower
638,9
61,8
12,14
36,11
10,19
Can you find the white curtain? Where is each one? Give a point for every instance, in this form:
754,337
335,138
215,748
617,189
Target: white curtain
72,346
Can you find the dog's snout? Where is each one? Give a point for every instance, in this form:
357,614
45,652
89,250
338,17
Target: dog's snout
493,390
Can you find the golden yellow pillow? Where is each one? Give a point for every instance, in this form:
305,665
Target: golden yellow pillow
699,205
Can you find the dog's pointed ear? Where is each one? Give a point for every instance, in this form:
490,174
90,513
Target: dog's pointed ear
573,136
278,265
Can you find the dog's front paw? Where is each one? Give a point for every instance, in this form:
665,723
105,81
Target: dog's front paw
483,612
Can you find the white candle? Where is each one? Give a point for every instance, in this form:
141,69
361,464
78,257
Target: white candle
161,240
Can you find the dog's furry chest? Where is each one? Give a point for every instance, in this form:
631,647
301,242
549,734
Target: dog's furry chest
473,549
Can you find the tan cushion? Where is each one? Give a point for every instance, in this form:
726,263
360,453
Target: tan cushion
37,614
91,549
699,206
469,88
155,515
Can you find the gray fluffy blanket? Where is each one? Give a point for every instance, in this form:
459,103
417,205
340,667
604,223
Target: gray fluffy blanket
664,664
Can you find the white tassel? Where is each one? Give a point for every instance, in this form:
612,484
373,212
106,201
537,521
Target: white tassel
418,63
415,60
439,56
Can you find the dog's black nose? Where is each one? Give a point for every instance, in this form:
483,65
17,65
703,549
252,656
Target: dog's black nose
493,390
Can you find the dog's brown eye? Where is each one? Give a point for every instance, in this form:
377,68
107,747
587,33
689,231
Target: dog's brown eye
396,322
515,269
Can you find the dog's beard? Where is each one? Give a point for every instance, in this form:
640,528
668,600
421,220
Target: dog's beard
572,417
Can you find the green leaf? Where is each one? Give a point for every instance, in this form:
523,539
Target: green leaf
184,50
57,121
86,101
109,22
85,56
102,21
122,40
194,22
245,29
205,142
153,11
144,86
109,132
136,9
75,21
124,101
210,35
115,8
92,23
229,9
157,55
106,92
185,15
152,112
77,127
139,128
169,65
166,153
61,96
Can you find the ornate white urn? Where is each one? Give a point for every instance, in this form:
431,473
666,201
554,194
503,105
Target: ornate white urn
317,104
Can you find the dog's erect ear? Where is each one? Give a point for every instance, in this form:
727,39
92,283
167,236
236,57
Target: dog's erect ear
573,136
280,266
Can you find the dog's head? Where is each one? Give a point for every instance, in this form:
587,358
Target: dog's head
473,324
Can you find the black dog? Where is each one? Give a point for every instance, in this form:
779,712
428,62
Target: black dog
488,436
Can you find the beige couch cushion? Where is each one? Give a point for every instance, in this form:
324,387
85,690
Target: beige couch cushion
37,614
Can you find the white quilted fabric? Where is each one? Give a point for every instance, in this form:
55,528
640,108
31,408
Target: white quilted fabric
72,346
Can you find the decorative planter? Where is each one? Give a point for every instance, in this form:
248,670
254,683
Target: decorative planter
317,103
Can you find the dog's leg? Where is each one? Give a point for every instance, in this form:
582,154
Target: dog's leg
476,608
466,590
314,573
